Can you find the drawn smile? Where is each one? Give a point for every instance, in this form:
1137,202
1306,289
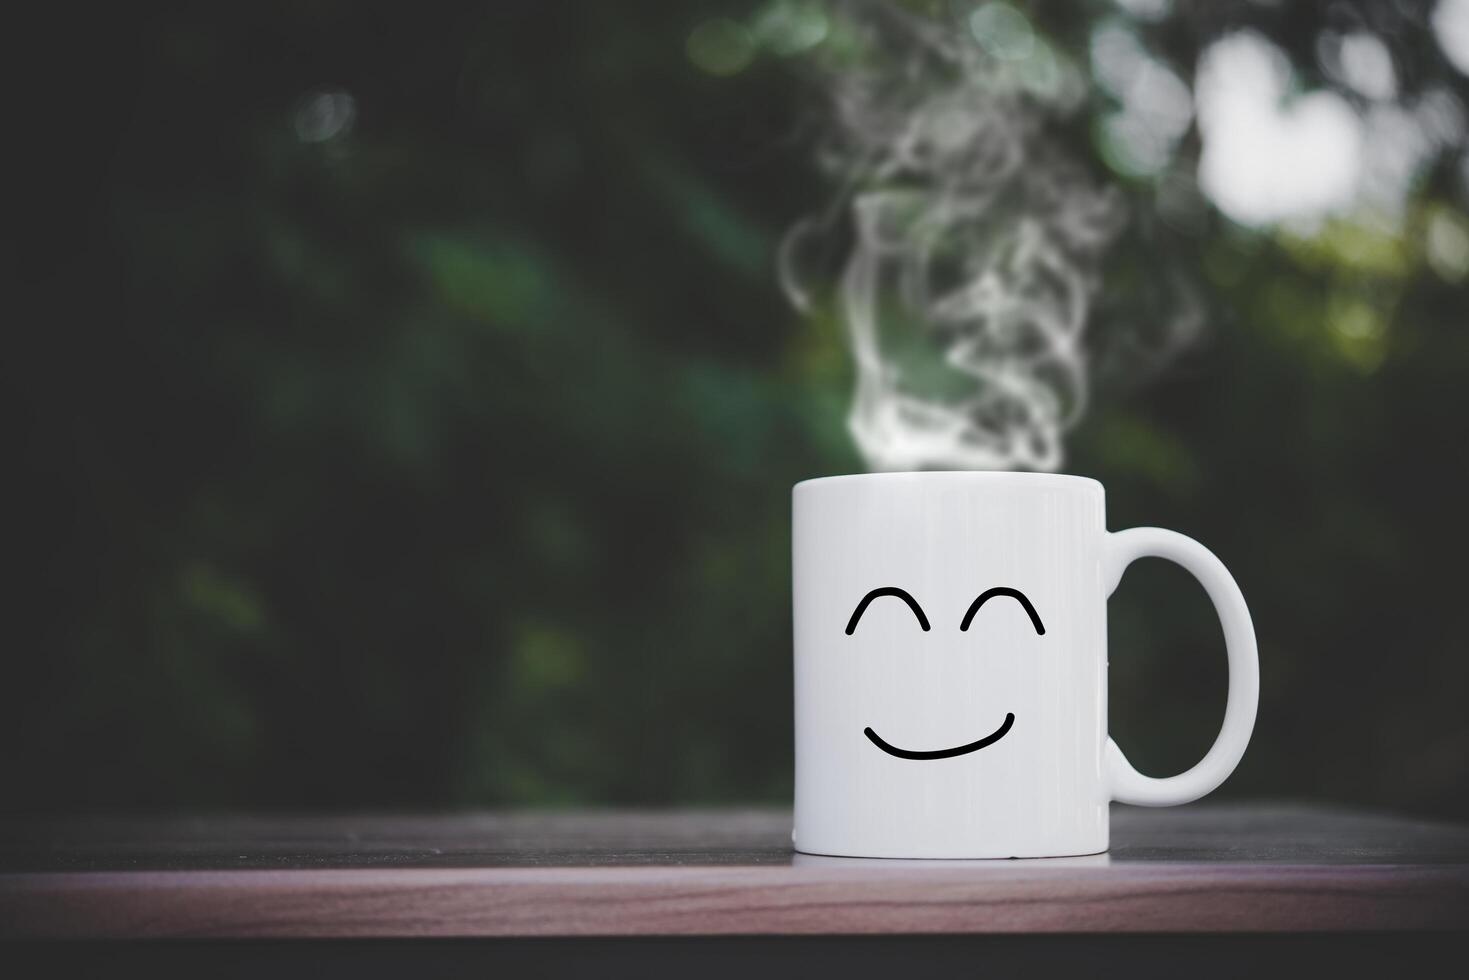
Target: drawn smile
989,739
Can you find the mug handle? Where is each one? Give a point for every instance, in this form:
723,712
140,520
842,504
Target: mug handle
1125,783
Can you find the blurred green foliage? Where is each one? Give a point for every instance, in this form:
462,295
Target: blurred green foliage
409,414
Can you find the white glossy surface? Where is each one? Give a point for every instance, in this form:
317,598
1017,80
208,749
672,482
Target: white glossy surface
1040,790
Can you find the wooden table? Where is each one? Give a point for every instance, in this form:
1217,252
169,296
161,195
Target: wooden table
261,883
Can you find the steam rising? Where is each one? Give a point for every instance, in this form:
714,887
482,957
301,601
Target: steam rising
974,238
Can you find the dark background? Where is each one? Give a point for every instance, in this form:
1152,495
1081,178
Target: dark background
444,458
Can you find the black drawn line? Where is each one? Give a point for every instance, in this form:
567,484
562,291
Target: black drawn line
893,591
989,594
989,739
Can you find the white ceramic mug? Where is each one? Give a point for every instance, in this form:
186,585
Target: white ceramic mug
951,666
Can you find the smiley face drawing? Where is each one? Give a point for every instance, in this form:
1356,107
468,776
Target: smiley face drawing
974,607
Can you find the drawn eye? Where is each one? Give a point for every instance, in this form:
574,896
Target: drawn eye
989,594
892,591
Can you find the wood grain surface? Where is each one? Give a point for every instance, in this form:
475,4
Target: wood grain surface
1193,869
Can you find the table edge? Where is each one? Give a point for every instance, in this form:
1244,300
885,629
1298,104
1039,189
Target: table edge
723,900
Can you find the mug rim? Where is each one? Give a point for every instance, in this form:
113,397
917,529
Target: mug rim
980,476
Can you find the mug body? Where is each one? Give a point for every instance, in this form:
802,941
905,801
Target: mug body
982,735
